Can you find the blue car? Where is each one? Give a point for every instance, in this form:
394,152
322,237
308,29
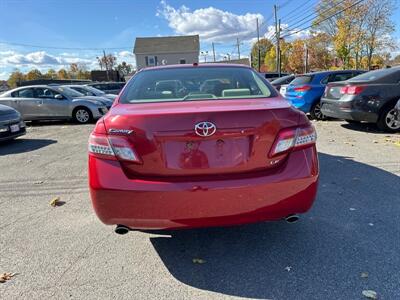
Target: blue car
306,90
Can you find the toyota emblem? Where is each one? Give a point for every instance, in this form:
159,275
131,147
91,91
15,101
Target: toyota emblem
205,129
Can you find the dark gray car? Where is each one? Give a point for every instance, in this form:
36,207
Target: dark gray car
43,102
11,123
369,97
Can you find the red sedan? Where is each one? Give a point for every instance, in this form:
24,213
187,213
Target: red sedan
201,145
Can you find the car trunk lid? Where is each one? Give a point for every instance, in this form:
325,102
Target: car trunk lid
332,90
165,138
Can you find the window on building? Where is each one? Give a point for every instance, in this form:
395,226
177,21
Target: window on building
182,61
151,61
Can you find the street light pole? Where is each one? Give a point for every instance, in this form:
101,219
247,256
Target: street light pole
213,51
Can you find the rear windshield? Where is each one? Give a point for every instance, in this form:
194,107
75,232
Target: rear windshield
303,79
189,84
377,74
282,80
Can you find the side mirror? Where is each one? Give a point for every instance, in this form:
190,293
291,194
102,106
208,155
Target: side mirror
59,97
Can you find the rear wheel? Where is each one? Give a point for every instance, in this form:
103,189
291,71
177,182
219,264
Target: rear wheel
82,115
387,120
316,112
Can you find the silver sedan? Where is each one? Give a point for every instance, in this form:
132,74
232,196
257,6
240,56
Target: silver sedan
44,102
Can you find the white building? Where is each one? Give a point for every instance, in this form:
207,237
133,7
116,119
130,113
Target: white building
171,50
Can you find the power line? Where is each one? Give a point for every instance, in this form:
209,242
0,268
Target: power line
301,14
306,18
63,48
323,20
297,8
284,4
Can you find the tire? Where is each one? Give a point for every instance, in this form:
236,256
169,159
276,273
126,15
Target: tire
82,115
386,121
316,113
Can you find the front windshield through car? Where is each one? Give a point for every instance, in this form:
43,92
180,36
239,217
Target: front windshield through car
195,83
68,92
93,90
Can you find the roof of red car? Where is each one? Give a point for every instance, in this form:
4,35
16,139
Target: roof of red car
223,65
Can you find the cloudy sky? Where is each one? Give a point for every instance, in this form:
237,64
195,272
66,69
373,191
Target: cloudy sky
47,34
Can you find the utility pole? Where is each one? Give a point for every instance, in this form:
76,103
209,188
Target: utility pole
277,38
213,51
258,46
106,63
238,47
279,48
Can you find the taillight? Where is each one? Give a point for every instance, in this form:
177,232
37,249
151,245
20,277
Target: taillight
302,88
100,147
111,147
351,89
293,138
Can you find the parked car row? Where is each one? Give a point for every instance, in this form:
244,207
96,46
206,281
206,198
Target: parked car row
108,87
352,95
57,102
369,97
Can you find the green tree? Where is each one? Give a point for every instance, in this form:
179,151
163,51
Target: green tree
379,27
33,75
124,68
107,62
270,59
363,30
83,74
62,74
319,55
15,78
51,73
296,57
265,45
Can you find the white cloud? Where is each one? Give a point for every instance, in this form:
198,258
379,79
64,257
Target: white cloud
4,75
294,33
210,23
41,60
125,54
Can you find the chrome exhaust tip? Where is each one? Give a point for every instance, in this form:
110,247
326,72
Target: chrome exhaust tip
292,218
121,229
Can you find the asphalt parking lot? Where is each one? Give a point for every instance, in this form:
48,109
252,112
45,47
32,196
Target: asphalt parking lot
348,242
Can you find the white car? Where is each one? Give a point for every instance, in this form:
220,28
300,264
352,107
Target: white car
282,90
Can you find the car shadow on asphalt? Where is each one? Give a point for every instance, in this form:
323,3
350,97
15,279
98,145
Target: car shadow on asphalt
50,123
21,145
352,228
364,127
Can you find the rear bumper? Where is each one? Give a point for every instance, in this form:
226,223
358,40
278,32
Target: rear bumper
8,135
143,204
344,110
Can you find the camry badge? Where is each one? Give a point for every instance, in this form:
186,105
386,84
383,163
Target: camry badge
120,131
205,129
